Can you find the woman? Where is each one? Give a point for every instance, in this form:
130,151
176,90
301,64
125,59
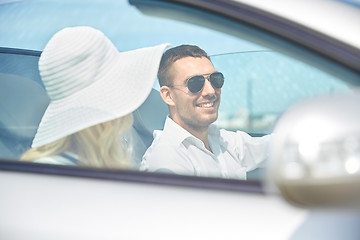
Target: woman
93,89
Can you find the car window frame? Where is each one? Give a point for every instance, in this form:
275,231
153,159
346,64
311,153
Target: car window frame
319,43
133,176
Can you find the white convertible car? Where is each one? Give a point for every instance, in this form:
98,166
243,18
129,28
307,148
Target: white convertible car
291,67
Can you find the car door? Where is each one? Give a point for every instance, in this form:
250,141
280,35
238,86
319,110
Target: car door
268,68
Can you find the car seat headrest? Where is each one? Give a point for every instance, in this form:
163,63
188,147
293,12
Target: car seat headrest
22,104
150,116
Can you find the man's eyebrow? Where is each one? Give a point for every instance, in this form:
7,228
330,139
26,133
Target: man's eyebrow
203,74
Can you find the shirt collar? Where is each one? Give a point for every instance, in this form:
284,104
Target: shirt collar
179,134
175,131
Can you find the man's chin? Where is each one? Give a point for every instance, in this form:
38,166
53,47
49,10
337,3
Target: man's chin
210,119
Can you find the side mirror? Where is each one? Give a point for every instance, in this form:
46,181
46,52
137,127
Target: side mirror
315,156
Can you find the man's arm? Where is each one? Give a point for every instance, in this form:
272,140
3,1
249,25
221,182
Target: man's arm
251,151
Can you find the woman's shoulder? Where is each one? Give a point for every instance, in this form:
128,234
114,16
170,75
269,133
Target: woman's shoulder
62,159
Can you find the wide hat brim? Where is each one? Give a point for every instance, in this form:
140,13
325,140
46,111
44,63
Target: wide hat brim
124,87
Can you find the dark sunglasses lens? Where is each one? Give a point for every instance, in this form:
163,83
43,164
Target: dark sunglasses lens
196,83
217,79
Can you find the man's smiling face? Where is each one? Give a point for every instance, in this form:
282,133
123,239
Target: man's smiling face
193,111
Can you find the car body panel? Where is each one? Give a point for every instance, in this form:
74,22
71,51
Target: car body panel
86,208
298,21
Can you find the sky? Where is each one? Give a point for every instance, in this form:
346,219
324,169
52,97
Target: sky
30,24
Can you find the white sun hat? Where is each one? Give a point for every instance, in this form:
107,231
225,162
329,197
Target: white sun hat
89,81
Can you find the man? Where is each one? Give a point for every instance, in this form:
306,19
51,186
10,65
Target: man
190,144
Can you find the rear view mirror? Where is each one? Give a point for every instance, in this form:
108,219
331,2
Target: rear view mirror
315,158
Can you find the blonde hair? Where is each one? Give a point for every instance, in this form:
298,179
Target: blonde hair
101,145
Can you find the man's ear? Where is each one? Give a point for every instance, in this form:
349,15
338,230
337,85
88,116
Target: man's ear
166,95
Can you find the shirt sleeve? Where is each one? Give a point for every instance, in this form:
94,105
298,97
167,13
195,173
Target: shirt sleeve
252,152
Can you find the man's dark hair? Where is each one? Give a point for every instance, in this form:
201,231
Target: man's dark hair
174,54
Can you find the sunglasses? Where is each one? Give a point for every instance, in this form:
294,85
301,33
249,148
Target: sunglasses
196,83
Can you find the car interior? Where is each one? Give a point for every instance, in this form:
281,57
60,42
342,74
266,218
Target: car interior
23,101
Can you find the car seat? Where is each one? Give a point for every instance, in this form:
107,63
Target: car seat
22,104
22,100
148,117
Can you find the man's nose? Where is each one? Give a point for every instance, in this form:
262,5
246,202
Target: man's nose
208,88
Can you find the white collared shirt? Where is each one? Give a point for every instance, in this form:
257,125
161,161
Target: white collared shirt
233,153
